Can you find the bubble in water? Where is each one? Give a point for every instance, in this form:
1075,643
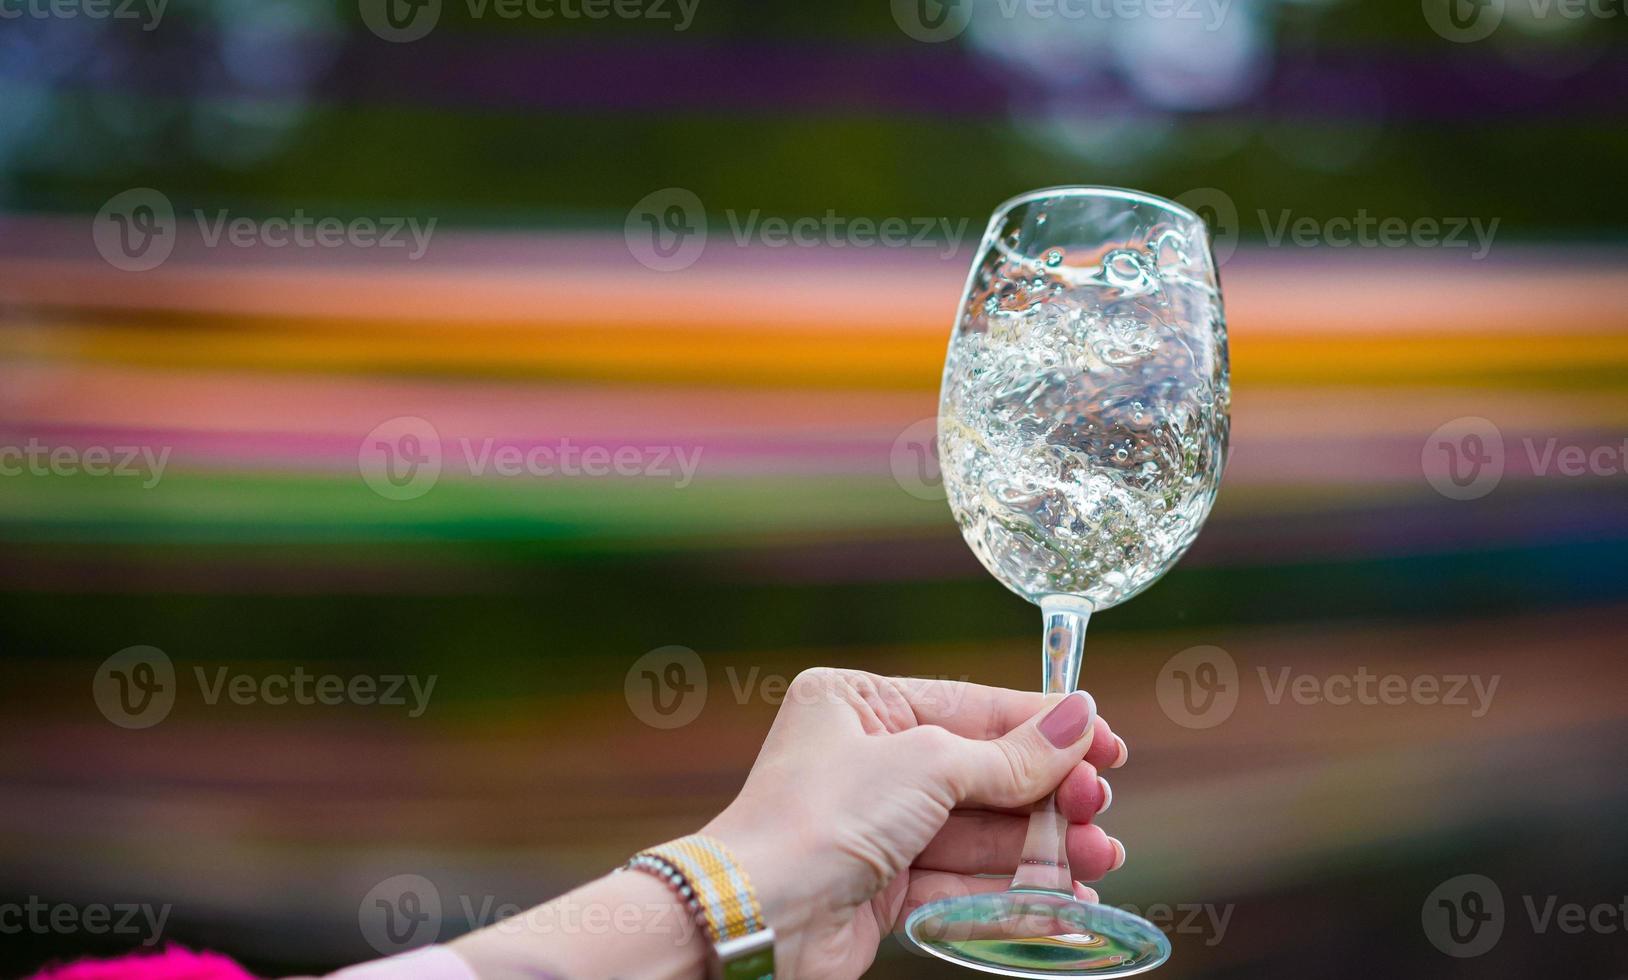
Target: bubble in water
1054,258
1129,270
1172,253
1122,340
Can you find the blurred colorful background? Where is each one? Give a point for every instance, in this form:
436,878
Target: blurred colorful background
254,457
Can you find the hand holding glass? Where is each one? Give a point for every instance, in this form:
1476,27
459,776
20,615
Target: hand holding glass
1082,432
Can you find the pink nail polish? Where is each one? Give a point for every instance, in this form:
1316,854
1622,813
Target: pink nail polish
1067,722
1119,854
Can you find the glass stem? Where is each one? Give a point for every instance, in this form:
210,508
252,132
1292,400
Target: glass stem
1044,867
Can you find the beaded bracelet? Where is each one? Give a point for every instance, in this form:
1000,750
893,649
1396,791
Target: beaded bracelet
715,889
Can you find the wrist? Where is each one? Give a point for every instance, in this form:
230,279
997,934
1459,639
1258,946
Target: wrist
763,858
621,925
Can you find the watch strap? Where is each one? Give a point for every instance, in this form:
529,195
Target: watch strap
711,882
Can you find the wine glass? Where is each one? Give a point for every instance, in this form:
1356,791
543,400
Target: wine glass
1082,433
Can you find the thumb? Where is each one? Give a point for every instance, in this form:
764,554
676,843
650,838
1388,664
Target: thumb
1031,760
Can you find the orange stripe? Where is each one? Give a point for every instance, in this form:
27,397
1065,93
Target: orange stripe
785,358
893,296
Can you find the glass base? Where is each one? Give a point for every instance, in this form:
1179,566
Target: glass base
1037,934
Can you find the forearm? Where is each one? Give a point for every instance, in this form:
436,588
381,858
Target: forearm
629,926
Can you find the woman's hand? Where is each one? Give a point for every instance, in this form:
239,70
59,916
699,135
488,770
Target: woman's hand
873,795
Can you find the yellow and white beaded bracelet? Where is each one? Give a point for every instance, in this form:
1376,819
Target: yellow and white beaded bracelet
708,879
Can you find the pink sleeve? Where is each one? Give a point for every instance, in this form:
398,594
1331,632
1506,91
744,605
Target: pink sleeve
176,963
171,963
429,963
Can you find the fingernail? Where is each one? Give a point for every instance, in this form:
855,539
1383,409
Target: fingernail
1086,893
1107,795
1119,854
1065,723
1124,753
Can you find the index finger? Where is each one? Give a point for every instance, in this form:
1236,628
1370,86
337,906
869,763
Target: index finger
983,712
